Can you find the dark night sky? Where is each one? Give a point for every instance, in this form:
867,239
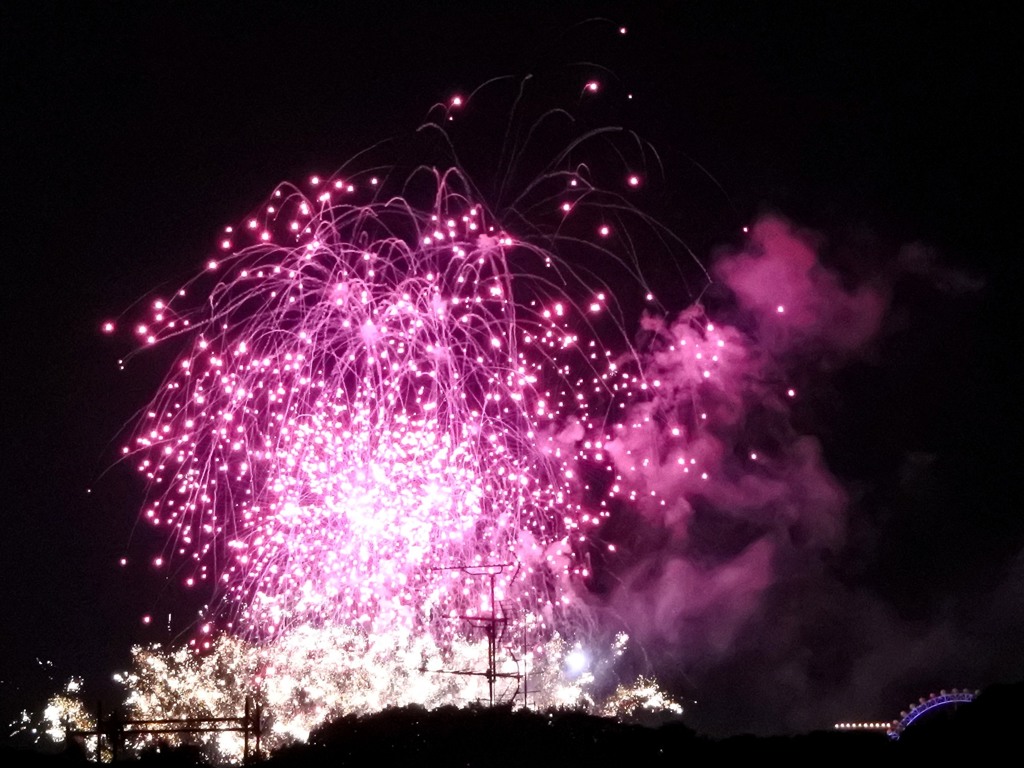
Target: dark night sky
132,132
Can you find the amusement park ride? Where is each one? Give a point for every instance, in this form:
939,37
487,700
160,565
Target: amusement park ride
895,728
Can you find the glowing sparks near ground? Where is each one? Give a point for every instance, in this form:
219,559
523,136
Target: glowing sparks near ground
313,676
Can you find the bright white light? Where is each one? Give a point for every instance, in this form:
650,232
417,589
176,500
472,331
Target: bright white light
576,662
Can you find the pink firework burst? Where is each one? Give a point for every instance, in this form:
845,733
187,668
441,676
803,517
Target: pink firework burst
383,416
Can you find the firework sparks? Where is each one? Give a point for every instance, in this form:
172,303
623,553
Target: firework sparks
395,426
370,417
389,417
403,436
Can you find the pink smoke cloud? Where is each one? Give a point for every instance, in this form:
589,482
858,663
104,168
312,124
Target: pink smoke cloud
734,500
779,278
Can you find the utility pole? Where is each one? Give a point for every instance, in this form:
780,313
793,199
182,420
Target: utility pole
495,626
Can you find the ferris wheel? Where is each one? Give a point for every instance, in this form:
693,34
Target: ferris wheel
926,704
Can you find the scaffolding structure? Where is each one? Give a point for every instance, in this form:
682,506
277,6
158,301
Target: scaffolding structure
114,732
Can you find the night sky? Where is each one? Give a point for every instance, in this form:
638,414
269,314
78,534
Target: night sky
133,132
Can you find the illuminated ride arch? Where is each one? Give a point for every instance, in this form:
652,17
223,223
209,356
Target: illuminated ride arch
926,704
